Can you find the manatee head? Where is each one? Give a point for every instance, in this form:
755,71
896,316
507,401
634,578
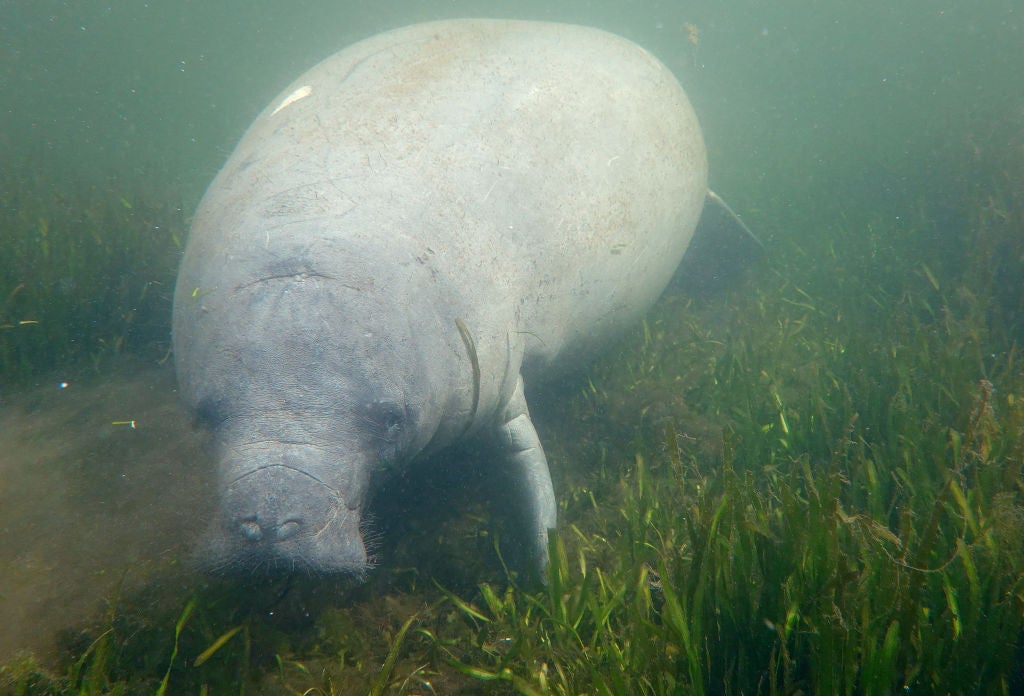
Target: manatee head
313,388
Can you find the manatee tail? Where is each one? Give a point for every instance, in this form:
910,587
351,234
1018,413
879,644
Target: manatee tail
736,224
721,248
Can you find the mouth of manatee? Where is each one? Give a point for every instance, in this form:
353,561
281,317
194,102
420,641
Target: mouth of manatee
278,517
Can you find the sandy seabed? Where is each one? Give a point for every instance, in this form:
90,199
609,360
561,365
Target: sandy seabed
103,488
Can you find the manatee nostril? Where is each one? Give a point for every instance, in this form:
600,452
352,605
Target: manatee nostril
288,529
251,530
254,532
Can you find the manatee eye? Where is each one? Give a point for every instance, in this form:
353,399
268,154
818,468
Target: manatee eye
210,413
388,417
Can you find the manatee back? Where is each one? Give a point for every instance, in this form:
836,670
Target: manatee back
545,178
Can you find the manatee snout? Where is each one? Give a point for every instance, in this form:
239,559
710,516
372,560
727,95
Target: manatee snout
277,517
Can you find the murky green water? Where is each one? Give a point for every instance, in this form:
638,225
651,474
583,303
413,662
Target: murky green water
878,151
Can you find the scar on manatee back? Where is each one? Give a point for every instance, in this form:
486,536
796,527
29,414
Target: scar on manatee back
300,93
467,339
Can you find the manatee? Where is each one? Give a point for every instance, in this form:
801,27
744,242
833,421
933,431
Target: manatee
417,231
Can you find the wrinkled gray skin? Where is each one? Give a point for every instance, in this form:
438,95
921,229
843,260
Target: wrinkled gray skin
411,232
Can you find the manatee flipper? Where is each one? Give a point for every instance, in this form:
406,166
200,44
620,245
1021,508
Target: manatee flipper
527,468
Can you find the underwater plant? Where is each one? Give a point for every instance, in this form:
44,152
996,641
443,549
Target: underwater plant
812,484
87,274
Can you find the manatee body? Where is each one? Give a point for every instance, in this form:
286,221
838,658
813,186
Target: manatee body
414,232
